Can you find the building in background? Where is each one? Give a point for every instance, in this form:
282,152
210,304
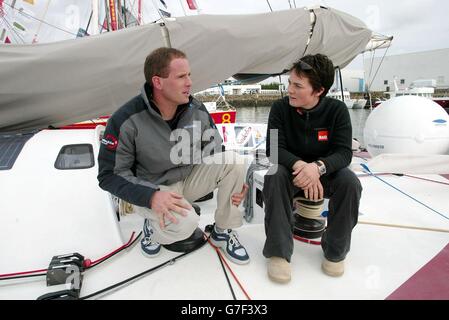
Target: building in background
407,68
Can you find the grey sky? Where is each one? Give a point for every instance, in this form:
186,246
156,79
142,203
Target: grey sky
417,25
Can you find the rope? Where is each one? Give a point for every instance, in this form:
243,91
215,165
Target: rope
40,20
364,166
136,277
12,30
87,263
226,275
429,180
403,226
230,270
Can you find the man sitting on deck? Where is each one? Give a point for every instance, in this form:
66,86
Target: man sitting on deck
152,156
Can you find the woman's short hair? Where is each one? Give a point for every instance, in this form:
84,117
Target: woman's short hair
319,69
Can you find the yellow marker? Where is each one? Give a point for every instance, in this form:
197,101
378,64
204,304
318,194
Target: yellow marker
226,118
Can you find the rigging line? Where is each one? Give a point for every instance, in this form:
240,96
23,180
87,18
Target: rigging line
136,277
370,70
268,2
131,10
90,18
226,275
364,166
280,84
40,24
400,226
380,64
430,180
37,19
87,266
230,270
127,245
158,11
24,276
13,31
134,12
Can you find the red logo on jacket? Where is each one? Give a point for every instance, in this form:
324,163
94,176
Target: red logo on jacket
323,135
110,142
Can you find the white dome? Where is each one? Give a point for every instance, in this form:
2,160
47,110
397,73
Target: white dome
408,124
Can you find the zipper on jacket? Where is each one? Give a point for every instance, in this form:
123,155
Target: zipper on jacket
307,130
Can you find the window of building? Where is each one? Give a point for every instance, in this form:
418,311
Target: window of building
385,82
75,156
402,81
387,89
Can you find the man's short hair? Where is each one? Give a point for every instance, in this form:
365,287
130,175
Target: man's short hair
158,61
319,69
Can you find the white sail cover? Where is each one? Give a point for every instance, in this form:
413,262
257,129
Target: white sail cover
69,81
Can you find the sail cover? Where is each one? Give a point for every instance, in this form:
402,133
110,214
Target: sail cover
64,82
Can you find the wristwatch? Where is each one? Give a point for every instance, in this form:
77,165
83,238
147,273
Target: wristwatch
321,167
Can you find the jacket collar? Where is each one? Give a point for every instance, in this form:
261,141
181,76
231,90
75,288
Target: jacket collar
318,108
147,94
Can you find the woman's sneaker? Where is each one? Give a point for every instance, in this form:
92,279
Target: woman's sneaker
149,247
228,242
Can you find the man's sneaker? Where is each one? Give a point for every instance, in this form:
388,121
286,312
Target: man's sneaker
149,247
228,242
333,269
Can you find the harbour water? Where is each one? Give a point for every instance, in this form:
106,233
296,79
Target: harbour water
260,115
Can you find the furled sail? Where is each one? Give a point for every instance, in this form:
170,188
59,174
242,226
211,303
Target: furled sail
69,81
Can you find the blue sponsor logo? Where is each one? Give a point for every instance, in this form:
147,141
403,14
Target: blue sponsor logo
439,121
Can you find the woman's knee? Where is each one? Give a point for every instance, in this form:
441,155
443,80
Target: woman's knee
347,180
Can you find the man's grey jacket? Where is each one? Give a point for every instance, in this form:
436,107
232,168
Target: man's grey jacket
140,151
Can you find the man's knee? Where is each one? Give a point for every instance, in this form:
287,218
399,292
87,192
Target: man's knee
236,163
185,226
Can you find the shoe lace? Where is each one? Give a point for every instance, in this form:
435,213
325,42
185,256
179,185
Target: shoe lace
148,229
233,240
148,241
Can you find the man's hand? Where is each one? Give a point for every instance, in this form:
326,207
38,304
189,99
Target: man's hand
238,197
163,202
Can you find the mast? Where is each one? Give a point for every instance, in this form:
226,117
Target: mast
107,20
113,14
119,14
94,17
182,7
139,12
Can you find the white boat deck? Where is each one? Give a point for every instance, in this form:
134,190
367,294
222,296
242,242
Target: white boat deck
384,261
381,258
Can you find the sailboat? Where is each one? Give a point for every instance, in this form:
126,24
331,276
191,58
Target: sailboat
62,237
